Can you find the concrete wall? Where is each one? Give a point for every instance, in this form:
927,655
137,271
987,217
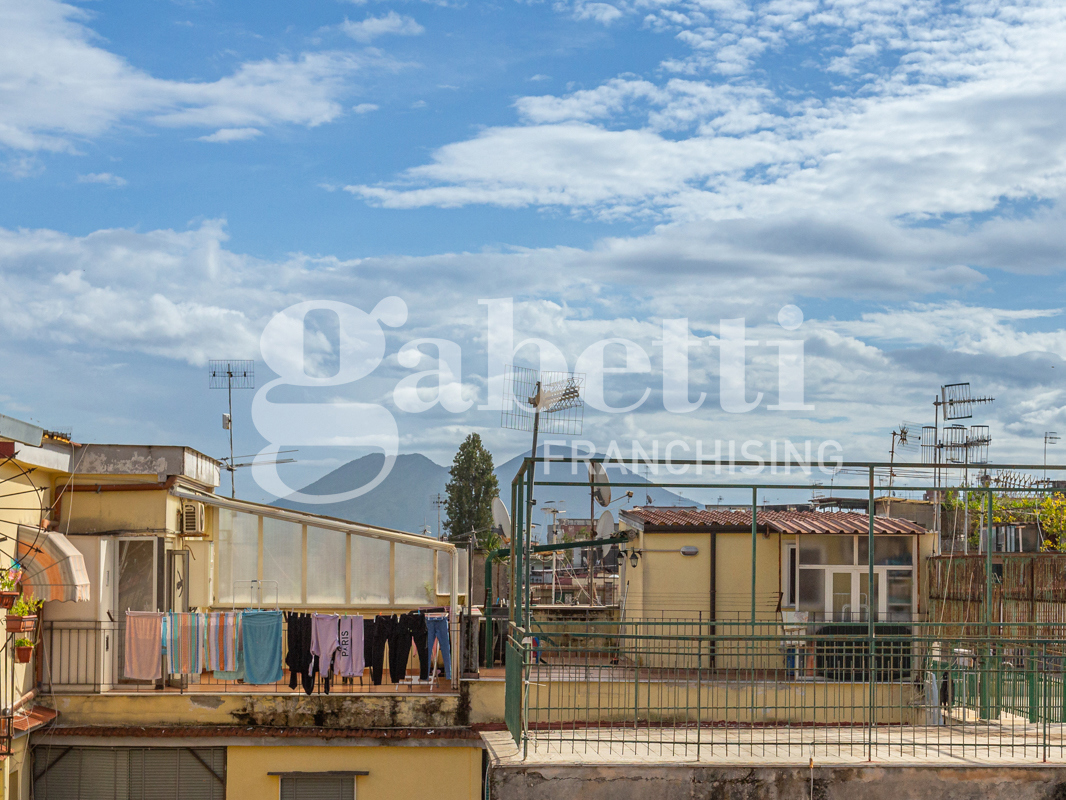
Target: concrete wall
395,773
299,710
685,782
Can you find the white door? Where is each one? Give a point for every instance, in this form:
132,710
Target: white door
848,597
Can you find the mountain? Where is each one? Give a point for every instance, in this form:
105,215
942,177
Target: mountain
403,501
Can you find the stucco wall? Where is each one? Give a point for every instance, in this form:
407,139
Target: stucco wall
395,773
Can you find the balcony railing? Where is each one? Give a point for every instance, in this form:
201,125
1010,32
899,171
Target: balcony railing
88,658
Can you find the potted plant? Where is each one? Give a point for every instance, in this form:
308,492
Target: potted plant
9,581
23,615
23,650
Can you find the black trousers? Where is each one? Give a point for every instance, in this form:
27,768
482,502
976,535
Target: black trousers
411,626
384,632
298,657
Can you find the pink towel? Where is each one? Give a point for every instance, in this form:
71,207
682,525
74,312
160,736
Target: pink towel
144,646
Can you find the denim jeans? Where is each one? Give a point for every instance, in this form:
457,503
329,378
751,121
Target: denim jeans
438,631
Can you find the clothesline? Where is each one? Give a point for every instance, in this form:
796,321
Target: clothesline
246,645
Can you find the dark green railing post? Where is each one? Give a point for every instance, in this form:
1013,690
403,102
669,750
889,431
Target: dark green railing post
983,674
871,612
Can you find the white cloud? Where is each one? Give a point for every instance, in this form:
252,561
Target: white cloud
57,85
372,27
184,296
105,178
231,135
604,13
951,129
364,108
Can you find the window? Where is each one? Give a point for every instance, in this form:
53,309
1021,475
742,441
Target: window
414,575
310,565
321,786
444,572
827,549
788,576
238,555
370,570
325,565
283,559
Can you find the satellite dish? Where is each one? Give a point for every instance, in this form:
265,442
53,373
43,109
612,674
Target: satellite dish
605,529
501,520
598,475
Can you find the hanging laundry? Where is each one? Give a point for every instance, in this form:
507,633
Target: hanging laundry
324,642
223,641
411,628
298,656
437,632
349,661
184,641
368,642
144,646
384,630
261,634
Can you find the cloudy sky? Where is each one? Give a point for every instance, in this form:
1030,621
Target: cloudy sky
174,174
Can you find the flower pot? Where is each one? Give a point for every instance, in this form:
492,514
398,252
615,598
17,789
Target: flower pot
8,598
21,624
23,654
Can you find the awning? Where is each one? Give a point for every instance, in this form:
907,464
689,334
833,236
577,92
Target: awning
52,568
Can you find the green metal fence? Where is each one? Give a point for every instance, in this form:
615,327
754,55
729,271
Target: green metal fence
973,684
708,689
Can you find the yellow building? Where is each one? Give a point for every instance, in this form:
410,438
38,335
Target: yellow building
689,566
144,528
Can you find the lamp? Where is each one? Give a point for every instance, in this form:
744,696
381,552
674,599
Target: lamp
634,558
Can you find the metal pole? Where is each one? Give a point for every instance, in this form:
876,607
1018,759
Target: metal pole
453,603
232,469
754,529
870,611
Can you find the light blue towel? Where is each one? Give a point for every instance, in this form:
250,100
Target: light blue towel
261,631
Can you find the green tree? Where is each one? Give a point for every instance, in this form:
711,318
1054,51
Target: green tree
470,492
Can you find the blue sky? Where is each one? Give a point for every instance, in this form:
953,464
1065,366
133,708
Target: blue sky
173,174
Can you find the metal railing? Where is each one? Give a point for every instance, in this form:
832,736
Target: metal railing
697,689
89,657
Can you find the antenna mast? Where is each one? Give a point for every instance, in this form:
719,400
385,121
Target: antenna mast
230,374
955,445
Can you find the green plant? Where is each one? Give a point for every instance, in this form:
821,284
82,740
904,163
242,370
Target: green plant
10,577
470,491
26,606
23,643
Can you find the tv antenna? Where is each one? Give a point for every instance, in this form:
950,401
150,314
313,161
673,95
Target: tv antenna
900,434
1052,438
956,444
439,501
531,394
230,374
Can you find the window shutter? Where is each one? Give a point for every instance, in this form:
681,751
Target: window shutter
318,787
140,773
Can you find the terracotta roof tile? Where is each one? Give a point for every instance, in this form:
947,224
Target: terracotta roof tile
842,522
34,718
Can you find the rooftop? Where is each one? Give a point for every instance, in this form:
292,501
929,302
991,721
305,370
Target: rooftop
652,519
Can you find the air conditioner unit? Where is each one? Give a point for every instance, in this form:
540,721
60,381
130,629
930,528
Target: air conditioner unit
192,518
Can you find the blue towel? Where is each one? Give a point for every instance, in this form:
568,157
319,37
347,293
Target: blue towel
261,631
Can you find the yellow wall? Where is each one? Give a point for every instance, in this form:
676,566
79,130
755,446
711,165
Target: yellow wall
16,773
92,512
396,773
827,703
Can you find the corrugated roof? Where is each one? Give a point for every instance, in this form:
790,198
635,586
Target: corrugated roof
842,522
